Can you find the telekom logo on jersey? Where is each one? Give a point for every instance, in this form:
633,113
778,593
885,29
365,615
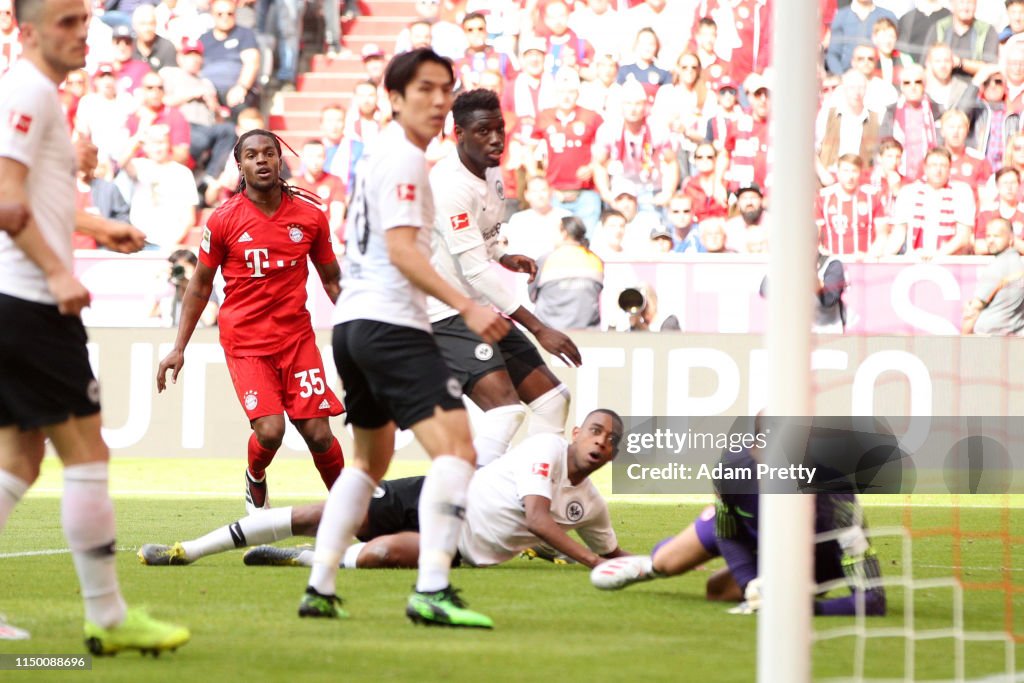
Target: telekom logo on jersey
257,260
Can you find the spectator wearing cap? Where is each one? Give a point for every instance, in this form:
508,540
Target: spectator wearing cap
603,94
973,42
564,136
846,128
985,106
163,197
643,69
744,33
632,149
747,146
913,121
375,61
714,70
153,111
639,225
601,23
103,114
196,98
479,56
447,38
725,114
935,215
565,49
10,42
704,187
683,228
661,241
129,71
852,26
533,90
567,288
158,52
915,24
744,232
535,230
231,58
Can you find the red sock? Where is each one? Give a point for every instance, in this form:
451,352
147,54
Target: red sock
259,458
329,463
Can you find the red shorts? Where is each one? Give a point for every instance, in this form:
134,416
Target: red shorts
290,381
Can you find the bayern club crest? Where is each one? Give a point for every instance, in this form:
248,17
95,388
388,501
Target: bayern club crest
295,232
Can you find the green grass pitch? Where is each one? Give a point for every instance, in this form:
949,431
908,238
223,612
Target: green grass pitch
551,624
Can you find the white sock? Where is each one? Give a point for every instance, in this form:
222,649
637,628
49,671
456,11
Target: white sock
87,515
549,412
442,509
495,430
265,526
351,559
12,490
344,512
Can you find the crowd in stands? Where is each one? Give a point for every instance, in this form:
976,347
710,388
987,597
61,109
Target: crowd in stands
646,119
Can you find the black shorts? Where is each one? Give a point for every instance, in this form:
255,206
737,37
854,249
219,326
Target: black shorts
394,508
470,357
45,376
390,372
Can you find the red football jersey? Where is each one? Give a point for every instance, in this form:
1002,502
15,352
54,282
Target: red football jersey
569,140
847,224
263,260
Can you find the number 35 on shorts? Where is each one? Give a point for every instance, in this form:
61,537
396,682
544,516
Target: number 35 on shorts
310,382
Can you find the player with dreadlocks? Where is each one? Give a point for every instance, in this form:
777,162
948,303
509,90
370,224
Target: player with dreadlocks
260,239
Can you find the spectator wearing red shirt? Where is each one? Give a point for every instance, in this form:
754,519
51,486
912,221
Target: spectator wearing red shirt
260,239
847,212
153,111
933,216
744,33
704,187
968,165
566,134
1007,206
748,144
129,70
329,189
715,71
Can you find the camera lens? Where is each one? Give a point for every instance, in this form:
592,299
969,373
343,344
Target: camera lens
177,271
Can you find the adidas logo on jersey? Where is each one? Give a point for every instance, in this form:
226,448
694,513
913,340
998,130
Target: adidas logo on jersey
245,237
325,404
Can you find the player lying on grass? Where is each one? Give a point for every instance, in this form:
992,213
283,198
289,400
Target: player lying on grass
730,530
535,493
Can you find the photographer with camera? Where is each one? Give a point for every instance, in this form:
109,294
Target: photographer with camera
640,306
167,306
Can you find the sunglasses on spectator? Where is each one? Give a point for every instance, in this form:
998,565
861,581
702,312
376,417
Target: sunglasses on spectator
698,157
680,210
917,82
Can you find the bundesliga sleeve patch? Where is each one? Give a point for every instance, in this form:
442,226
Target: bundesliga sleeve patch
406,192
21,123
460,221
205,244
541,469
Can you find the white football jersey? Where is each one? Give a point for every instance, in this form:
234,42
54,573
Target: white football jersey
34,132
495,528
391,190
468,213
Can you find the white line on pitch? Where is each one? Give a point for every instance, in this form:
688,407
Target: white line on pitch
54,551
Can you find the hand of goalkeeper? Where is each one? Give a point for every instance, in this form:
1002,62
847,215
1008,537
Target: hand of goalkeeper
751,599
